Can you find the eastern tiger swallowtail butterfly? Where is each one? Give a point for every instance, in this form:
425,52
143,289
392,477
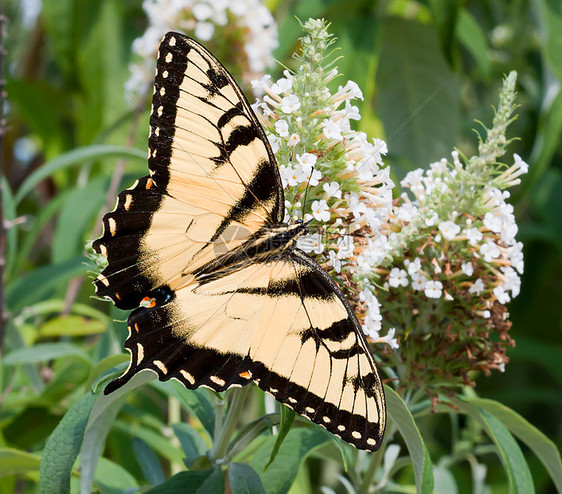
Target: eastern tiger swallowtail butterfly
221,295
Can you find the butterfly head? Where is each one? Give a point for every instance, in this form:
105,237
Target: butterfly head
281,237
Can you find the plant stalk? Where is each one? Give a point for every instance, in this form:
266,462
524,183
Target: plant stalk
223,437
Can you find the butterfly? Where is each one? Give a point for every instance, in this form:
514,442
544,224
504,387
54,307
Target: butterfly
220,294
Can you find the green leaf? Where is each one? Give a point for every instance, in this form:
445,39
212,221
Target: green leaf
40,283
192,443
100,421
419,96
398,412
102,70
56,306
444,480
148,461
112,478
541,445
445,14
9,211
287,419
42,352
105,365
16,462
552,17
63,447
197,401
58,18
154,439
76,218
196,482
41,106
71,326
244,479
298,444
29,236
75,157
547,140
471,36
518,473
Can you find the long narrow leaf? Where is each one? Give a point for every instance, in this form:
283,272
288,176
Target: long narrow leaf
401,416
72,158
541,445
63,447
42,352
518,473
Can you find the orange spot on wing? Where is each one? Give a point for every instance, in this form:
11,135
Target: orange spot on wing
117,296
137,327
149,183
246,375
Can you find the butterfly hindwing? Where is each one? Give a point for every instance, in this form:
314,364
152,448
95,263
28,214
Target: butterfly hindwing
283,324
213,180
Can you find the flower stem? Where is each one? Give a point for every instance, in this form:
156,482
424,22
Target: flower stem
224,431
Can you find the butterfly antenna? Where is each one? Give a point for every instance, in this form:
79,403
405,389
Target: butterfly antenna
306,193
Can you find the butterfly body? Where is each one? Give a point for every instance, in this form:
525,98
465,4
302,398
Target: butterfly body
221,294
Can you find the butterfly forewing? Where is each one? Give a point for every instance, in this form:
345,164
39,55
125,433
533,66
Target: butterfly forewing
215,313
213,180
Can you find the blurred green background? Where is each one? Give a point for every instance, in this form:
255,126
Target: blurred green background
427,69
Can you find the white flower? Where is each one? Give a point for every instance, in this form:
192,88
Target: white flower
413,266
332,130
202,11
311,243
477,287
306,172
293,140
407,212
282,128
433,289
204,31
307,159
511,281
449,229
418,282
281,86
290,104
373,318
515,255
261,84
352,90
520,164
473,235
273,142
432,219
345,246
490,251
389,339
351,111
467,268
320,210
397,277
334,261
332,189
502,296
289,175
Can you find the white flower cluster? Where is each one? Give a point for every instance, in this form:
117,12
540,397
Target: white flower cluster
333,176
487,231
203,19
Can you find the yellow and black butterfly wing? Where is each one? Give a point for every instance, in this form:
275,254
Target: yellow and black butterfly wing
213,180
283,324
